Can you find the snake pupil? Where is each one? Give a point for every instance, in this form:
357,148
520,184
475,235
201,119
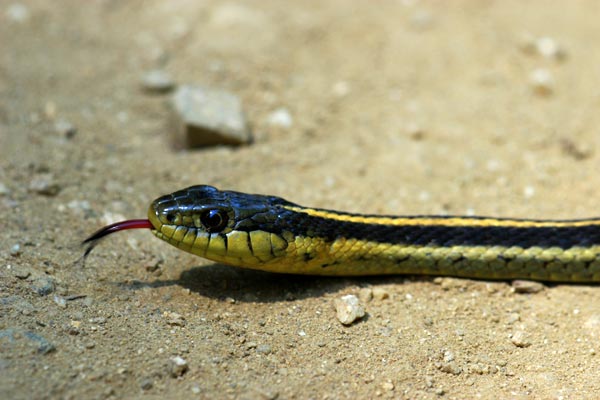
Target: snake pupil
171,218
214,220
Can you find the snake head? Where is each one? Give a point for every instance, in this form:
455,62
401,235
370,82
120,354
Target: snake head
224,226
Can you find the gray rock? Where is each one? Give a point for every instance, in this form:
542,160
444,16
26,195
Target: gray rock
44,184
178,367
157,81
43,285
208,117
263,349
15,250
146,384
4,190
65,128
17,335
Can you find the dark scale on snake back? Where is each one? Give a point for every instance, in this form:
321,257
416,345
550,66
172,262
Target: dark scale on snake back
440,235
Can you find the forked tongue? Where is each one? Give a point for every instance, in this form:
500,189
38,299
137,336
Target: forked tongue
93,240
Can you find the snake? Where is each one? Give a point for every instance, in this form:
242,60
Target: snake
269,233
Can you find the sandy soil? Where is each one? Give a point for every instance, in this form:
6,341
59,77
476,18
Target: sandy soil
404,107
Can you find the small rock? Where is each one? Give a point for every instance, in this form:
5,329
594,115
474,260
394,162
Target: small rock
43,285
450,368
263,349
17,12
348,309
29,338
45,185
542,82
208,117
60,301
146,384
65,128
380,293
21,272
365,294
341,88
174,319
74,328
520,339
543,46
415,131
153,265
388,386
574,149
44,346
281,118
15,250
528,192
527,286
178,367
4,190
157,81
547,47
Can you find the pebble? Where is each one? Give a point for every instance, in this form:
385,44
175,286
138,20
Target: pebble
60,301
528,192
4,190
263,349
542,82
17,12
415,131
65,128
153,264
146,384
365,295
512,318
281,118
549,48
520,339
450,368
15,250
196,389
45,185
21,272
388,386
157,81
174,319
42,345
178,367
208,117
380,294
520,286
348,309
546,47
43,285
579,151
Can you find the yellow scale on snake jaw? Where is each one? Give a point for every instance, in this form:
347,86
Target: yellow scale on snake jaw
271,234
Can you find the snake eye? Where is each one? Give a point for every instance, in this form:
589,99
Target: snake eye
171,218
214,220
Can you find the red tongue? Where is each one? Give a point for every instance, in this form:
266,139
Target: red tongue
119,226
92,241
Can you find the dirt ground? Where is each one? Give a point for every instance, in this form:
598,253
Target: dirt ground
397,107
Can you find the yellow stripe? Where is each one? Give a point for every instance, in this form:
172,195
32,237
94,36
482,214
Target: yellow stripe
444,221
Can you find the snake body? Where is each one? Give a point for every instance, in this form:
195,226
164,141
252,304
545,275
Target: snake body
271,234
